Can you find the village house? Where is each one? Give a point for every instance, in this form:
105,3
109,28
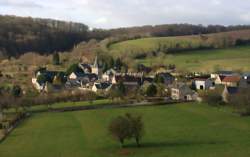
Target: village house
220,75
232,81
181,91
39,86
48,78
109,75
128,79
82,78
101,87
229,91
167,77
203,83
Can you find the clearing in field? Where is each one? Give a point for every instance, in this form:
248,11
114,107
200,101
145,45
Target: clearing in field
178,130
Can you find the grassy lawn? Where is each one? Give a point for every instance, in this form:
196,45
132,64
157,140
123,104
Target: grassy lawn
179,130
207,60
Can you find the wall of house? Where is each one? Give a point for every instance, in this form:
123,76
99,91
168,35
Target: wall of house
175,94
205,84
231,84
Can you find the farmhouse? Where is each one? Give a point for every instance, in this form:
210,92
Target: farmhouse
232,81
203,83
181,91
101,87
43,77
222,73
108,75
219,76
167,77
229,91
128,80
40,86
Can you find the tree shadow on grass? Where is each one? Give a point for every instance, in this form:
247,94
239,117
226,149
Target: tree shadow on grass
174,144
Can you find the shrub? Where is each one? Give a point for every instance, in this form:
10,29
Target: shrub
212,97
127,127
241,101
151,90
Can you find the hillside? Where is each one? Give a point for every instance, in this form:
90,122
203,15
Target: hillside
236,59
19,35
181,43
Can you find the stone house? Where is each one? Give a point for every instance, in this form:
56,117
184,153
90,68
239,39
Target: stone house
181,91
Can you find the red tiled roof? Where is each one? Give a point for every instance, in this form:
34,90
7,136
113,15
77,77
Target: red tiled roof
231,79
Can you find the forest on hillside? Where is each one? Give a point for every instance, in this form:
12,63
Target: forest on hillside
19,35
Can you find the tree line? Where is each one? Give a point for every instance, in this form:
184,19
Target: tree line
19,35
45,36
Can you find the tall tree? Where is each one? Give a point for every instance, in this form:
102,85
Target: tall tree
56,59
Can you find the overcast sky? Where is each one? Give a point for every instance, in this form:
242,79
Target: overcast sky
123,13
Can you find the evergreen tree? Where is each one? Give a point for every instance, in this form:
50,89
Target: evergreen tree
151,90
16,91
56,59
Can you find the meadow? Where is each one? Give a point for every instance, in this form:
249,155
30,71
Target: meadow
201,53
188,130
236,58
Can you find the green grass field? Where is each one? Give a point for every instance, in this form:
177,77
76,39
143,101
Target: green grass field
179,130
151,44
206,60
235,58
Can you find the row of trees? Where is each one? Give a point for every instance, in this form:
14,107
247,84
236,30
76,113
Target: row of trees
174,30
19,35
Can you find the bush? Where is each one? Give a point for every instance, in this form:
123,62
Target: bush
241,101
151,90
127,127
212,97
56,59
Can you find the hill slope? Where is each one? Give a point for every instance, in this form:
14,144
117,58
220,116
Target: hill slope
19,35
181,43
197,52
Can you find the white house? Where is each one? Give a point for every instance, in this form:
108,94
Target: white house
41,87
101,87
108,75
203,83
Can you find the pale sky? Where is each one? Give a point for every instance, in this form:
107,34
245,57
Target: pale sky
124,13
